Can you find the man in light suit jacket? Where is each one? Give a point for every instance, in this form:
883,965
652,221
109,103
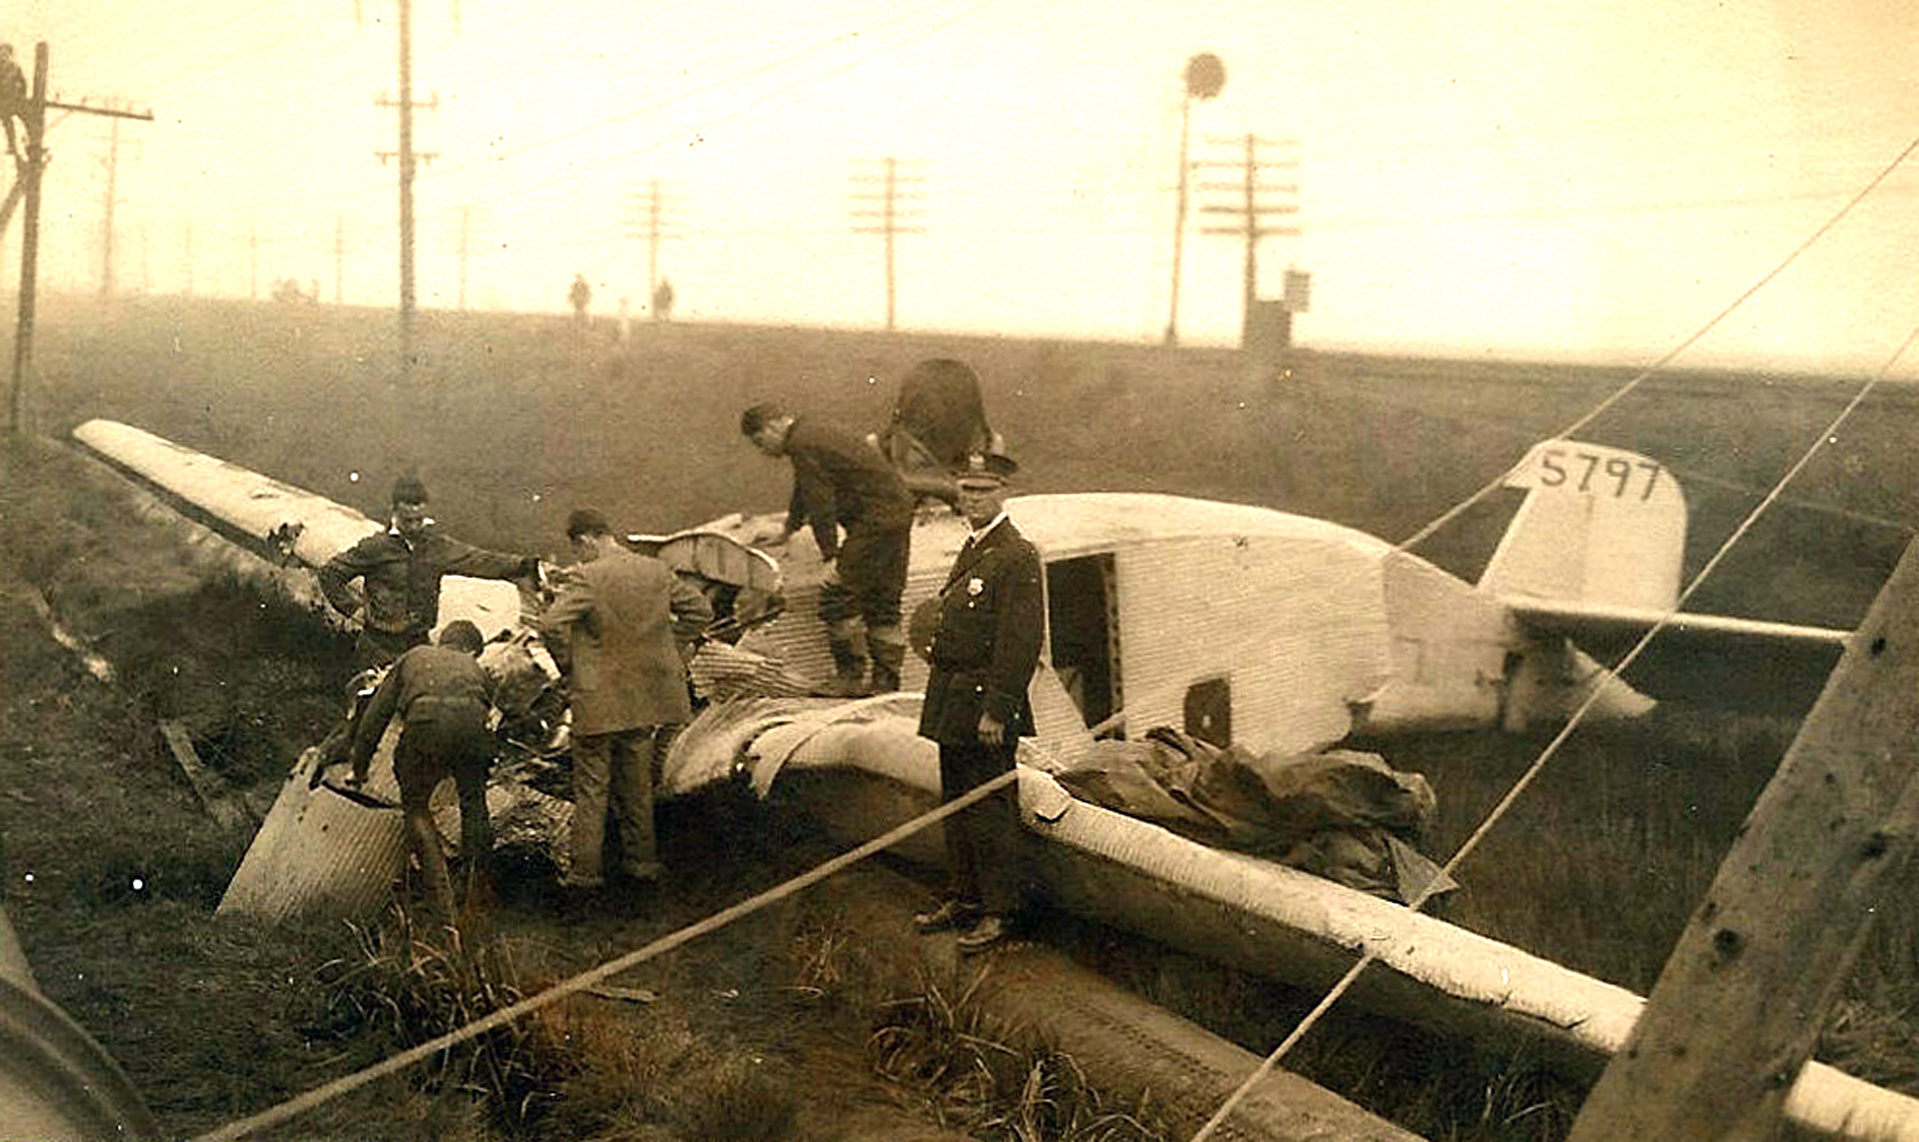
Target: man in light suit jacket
991,622
621,627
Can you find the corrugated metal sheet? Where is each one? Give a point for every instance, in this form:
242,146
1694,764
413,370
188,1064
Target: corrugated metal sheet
1449,651
1297,624
322,853
1290,609
799,639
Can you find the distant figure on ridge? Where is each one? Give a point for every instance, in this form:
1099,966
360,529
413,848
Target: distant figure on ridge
663,300
580,295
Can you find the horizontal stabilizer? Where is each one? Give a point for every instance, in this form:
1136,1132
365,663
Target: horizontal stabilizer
1709,660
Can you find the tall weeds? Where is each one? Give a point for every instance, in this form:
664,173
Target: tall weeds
973,1080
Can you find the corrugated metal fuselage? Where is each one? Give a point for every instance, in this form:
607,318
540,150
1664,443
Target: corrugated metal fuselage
1237,623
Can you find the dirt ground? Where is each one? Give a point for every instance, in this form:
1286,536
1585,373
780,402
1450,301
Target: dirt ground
113,868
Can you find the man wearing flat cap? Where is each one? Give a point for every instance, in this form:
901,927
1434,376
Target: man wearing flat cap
984,650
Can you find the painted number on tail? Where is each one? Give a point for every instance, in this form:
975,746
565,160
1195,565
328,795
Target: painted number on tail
1597,475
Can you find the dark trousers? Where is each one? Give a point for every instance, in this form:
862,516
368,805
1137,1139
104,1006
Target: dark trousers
613,784
445,737
983,843
872,576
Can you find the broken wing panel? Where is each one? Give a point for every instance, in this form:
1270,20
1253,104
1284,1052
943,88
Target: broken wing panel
254,511
1710,660
271,519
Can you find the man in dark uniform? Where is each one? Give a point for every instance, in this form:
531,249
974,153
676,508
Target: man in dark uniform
984,650
840,479
440,693
400,570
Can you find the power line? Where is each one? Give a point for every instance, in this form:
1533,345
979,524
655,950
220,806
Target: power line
721,84
804,81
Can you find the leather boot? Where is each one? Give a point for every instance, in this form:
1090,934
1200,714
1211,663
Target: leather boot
889,654
849,670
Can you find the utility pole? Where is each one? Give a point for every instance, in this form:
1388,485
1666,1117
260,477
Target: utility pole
34,116
106,218
1251,210
1205,76
466,229
253,258
339,258
407,159
1739,1005
187,248
648,219
897,206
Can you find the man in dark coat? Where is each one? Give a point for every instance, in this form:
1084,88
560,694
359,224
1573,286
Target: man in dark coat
622,627
984,650
841,480
441,696
400,570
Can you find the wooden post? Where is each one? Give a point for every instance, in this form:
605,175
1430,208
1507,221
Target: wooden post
1739,1005
212,792
36,125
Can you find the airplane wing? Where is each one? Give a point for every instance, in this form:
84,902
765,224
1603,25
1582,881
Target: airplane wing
1710,660
278,522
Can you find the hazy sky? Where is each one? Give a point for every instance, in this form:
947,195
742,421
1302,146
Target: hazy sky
1591,179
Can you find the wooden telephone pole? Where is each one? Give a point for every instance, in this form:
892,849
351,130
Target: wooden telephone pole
27,186
1252,208
407,164
897,205
649,219
1740,1004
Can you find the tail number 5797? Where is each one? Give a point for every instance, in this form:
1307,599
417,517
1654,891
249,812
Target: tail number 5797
1597,475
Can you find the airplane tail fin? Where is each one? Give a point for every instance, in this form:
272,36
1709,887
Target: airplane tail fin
1598,526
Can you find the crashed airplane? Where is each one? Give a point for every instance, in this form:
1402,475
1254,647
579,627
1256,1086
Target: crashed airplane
1238,625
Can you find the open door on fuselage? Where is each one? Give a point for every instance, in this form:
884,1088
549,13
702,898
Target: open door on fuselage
1082,622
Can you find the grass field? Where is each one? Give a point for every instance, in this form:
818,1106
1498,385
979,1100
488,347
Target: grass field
516,420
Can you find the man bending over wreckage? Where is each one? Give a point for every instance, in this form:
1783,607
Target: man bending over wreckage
840,479
441,696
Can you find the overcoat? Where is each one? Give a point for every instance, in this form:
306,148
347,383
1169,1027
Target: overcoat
992,621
